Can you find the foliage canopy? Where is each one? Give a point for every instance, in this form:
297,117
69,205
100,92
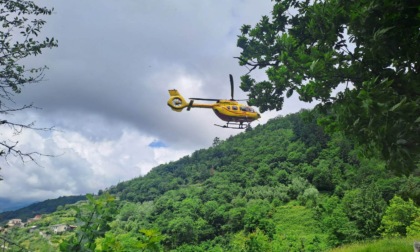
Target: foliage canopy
366,52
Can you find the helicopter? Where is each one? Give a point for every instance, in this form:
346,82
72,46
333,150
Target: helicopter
230,111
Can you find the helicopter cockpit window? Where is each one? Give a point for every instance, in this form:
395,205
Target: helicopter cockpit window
228,107
235,107
247,109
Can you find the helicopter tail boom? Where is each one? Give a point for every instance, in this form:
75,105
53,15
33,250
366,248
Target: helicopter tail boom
176,101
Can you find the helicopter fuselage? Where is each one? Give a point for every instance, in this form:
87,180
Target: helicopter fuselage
226,110
232,111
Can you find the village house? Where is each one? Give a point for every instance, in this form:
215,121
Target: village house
61,228
18,223
15,223
37,217
33,229
57,229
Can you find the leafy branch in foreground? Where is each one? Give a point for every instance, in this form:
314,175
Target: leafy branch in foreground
359,59
95,234
10,147
19,39
93,220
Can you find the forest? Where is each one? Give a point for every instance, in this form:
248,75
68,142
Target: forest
283,186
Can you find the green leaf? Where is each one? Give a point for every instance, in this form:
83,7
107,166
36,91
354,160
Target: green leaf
398,104
356,122
289,92
380,33
313,65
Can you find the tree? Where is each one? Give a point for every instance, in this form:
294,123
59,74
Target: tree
335,222
398,217
19,40
216,141
144,240
365,206
414,228
364,51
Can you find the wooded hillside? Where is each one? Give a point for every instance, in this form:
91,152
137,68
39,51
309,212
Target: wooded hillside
283,186
250,185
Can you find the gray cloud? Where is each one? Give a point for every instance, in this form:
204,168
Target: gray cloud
118,59
106,89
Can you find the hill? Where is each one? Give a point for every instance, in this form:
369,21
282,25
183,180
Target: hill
44,207
8,205
287,162
283,186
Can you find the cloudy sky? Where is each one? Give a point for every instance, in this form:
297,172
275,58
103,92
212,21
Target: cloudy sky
107,85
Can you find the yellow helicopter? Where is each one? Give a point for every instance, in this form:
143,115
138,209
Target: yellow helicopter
230,111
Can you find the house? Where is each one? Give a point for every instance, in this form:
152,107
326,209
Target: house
37,217
60,228
15,223
32,229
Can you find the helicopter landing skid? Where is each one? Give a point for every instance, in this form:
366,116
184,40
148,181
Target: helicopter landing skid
236,125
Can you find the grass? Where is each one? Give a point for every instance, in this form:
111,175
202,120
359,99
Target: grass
384,245
297,230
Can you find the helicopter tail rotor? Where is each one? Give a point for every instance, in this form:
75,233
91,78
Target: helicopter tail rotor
176,101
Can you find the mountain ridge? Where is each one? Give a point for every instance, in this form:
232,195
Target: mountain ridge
42,207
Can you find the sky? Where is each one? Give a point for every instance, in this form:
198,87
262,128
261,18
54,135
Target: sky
106,89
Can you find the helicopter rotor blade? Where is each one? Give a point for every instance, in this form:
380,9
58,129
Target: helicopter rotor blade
231,86
204,99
